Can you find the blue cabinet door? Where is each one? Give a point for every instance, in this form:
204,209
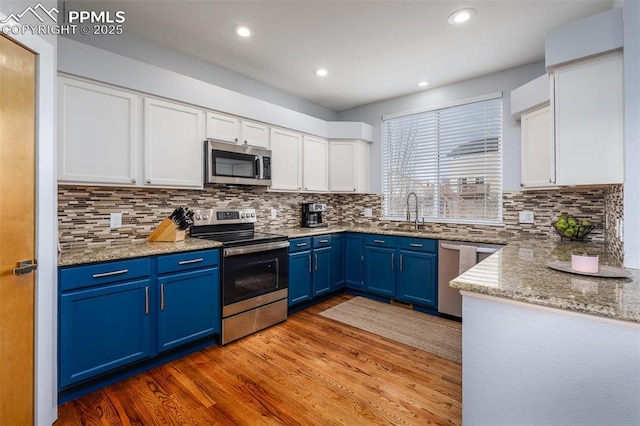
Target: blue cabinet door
321,271
380,270
417,278
353,260
337,262
300,265
103,328
189,307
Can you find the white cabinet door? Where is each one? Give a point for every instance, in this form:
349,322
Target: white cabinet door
286,160
255,134
537,152
348,166
222,127
589,122
315,164
172,144
97,133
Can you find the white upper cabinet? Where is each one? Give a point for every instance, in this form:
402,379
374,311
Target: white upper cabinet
231,129
537,152
254,134
286,160
222,127
589,121
97,133
173,154
315,164
348,166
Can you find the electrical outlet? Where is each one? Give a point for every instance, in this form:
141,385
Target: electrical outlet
368,212
619,229
115,220
525,216
274,214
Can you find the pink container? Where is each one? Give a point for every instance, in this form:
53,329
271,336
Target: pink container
585,263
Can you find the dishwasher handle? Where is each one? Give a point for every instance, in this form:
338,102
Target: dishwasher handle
478,249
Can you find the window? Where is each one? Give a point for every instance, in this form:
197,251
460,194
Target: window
450,157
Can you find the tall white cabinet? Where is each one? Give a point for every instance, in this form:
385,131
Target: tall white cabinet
97,133
589,121
348,166
315,160
537,149
172,144
286,160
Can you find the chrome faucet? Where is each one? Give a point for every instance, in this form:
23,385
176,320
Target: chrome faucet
408,212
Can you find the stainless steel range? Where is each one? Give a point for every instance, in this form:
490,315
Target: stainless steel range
254,270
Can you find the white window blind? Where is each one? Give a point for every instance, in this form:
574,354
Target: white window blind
450,157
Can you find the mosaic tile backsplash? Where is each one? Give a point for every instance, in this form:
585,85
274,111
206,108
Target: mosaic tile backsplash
83,211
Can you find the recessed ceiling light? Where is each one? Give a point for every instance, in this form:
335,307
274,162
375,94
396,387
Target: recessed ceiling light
321,72
242,30
460,16
423,84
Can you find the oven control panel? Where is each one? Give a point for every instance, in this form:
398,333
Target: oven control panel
222,216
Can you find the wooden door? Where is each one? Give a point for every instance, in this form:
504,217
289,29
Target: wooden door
17,232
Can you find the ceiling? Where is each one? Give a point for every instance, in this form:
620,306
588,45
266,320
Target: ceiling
373,50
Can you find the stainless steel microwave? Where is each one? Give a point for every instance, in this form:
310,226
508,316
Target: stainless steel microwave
236,164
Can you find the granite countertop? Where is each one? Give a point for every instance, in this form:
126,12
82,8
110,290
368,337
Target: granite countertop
519,272
126,251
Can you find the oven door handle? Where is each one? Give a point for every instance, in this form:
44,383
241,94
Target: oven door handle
254,248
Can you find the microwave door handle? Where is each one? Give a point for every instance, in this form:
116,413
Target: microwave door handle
258,167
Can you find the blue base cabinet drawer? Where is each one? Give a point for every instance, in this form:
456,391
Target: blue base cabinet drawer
380,241
187,261
418,244
76,277
102,329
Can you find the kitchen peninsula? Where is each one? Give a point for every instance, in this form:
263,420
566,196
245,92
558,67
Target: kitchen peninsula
548,347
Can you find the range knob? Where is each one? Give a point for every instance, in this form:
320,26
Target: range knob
253,215
241,215
198,217
205,216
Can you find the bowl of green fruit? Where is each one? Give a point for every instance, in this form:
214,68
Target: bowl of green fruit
575,229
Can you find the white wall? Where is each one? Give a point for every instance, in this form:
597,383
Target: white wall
46,394
631,227
151,53
526,364
504,81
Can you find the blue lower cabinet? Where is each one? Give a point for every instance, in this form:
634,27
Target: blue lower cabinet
337,262
189,307
417,278
380,270
321,280
108,320
102,329
353,259
299,276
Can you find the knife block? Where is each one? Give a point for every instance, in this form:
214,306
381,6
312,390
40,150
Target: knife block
167,231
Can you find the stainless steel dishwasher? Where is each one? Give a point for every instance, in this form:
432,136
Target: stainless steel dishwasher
449,299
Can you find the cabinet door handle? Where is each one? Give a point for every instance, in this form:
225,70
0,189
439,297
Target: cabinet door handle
162,297
186,262
400,263
112,273
415,245
324,241
393,255
378,241
146,300
316,261
309,263
301,245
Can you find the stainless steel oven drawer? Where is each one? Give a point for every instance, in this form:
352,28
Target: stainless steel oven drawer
257,319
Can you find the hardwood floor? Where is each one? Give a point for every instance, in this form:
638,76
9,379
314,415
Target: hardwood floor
309,370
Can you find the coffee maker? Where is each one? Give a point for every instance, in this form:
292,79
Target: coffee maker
312,215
